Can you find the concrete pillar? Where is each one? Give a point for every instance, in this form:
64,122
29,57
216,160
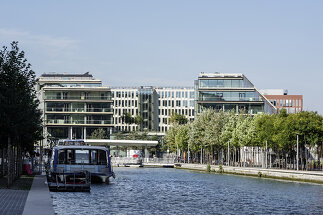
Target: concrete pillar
146,154
84,133
70,136
45,135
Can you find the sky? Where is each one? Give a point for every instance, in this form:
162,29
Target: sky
275,44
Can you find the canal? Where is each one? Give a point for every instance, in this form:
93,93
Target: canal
173,191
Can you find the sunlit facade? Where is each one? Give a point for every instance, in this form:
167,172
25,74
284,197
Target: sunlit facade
229,92
74,105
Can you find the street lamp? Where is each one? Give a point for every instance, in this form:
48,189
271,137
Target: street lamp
297,153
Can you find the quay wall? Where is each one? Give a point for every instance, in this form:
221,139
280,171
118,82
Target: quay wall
305,176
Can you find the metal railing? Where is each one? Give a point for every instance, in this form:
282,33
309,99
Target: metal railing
214,98
62,121
78,97
98,110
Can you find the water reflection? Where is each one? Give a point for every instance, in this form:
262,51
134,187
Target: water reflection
171,191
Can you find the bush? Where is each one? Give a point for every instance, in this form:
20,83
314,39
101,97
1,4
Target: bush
221,170
208,168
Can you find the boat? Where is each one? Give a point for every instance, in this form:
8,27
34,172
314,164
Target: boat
75,165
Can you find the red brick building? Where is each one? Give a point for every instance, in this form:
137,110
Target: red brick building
292,103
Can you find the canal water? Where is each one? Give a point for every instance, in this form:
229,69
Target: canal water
173,191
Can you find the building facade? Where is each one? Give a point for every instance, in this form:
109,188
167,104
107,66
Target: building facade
74,105
154,105
226,92
281,100
174,100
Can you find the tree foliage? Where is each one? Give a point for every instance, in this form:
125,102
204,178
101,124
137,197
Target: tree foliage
99,133
214,130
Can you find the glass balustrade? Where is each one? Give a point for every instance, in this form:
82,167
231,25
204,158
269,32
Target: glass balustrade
53,97
214,98
105,110
61,121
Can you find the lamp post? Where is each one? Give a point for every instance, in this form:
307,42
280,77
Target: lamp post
266,156
228,152
297,154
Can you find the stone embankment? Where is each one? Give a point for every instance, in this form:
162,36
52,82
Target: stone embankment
305,176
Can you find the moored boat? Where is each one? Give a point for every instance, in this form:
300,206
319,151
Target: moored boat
72,161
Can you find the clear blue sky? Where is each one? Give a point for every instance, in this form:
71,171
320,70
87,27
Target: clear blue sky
276,44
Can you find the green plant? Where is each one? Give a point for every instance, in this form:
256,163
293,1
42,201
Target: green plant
259,174
221,170
208,168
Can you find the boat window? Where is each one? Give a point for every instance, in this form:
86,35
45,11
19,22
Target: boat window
94,157
102,157
70,156
82,156
61,156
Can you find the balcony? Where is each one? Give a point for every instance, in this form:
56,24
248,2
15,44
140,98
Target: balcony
80,110
101,98
77,122
230,99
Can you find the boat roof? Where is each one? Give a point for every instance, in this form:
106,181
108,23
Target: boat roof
80,147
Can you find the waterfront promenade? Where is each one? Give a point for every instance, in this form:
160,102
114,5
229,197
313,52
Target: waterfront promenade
36,201
306,176
39,201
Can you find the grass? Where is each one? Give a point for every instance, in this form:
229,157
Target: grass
23,183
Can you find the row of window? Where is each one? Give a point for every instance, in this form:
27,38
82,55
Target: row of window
228,96
178,94
286,103
127,94
216,83
125,103
168,112
177,103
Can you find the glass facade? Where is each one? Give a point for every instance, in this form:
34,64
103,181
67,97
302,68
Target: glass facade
74,106
223,83
232,92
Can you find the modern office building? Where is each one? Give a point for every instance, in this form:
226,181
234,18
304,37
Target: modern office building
281,100
174,100
154,105
125,100
74,105
225,92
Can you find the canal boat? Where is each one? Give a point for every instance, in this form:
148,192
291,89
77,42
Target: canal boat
74,165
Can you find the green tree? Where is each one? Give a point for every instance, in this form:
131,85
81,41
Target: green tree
20,118
99,133
127,118
179,119
182,137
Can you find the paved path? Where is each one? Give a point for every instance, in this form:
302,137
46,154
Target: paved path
39,201
12,201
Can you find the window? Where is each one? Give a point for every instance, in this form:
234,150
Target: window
94,157
102,157
178,94
61,156
58,95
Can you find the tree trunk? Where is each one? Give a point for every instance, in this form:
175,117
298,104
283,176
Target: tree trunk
9,163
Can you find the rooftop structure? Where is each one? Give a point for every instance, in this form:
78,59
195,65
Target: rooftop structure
225,92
